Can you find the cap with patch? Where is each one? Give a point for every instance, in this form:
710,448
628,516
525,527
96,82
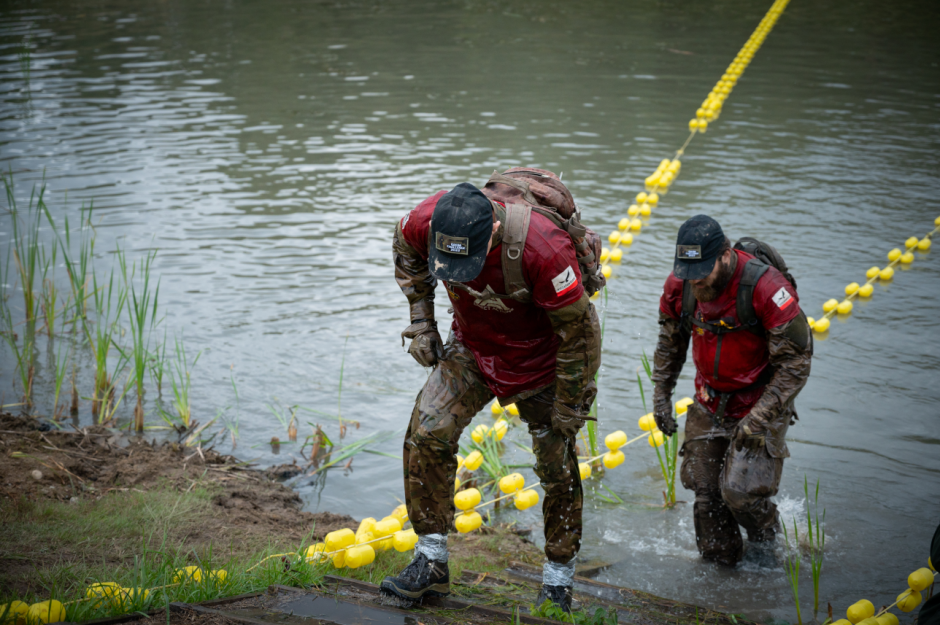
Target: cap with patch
697,246
461,226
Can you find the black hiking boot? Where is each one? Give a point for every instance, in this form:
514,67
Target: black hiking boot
421,577
559,595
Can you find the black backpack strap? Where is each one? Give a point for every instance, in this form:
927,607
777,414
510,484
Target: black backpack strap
747,317
688,305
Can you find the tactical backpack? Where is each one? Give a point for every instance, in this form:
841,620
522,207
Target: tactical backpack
765,257
524,190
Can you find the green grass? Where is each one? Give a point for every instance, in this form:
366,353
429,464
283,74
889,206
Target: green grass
142,315
817,540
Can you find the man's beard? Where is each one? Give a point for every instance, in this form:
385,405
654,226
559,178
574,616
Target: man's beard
710,292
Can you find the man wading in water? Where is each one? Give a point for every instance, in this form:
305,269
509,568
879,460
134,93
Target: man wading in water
752,347
538,348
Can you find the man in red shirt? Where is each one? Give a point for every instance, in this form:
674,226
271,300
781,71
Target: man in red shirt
539,350
748,373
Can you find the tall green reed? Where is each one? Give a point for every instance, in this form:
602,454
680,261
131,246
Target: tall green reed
26,246
180,380
79,270
109,301
49,295
61,370
142,315
791,566
668,458
817,539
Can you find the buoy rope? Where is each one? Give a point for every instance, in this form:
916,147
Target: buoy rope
901,597
709,111
492,501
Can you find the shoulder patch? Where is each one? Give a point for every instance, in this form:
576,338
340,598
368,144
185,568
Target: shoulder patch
404,220
565,281
782,298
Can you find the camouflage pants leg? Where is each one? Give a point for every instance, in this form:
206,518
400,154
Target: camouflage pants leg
703,457
748,481
556,464
453,394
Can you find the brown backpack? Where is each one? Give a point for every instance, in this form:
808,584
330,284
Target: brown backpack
526,189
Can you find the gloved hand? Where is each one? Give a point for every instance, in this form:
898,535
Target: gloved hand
751,432
426,345
662,412
566,421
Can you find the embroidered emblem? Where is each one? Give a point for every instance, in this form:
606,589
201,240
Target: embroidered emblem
565,281
782,298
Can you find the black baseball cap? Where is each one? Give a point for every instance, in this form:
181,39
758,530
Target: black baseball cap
697,247
461,227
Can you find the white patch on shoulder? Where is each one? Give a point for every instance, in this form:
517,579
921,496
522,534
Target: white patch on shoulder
565,281
405,219
782,298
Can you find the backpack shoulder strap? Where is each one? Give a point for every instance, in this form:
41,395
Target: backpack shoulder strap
747,317
688,303
514,236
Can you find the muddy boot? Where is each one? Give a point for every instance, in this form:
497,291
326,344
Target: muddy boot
421,577
558,595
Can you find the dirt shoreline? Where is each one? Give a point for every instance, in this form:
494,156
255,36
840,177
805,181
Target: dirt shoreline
62,491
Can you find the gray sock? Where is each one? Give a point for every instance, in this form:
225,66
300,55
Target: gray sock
433,546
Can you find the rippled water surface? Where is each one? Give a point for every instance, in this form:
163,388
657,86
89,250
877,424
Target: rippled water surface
267,149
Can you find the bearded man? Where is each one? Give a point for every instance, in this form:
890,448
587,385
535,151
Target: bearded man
752,347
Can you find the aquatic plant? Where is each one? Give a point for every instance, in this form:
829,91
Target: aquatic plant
109,302
61,368
668,458
49,294
26,245
78,271
181,381
791,565
142,314
287,417
817,539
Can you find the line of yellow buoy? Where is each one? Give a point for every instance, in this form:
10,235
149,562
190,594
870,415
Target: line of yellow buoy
659,182
854,290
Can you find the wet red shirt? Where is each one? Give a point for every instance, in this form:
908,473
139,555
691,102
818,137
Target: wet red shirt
743,354
513,343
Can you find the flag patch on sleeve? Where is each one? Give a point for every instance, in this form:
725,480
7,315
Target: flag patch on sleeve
782,298
565,281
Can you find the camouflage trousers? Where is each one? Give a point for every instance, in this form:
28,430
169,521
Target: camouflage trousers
454,393
731,487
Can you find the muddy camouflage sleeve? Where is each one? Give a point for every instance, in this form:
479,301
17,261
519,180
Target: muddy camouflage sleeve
791,353
414,277
668,360
579,354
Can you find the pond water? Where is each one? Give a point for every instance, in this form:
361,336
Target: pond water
266,151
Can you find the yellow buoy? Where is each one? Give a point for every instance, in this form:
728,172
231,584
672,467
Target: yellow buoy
844,308
606,270
614,236
626,239
339,539
51,611
653,199
641,197
635,225
511,483
821,325
907,600
456,484
616,255
924,245
871,273
860,610
366,525
851,288
702,125
700,113
830,305
645,210
624,223
360,555
894,254
468,522
460,460
605,254
682,406
886,274
811,322
615,440
887,619
842,621
585,470
865,290
871,620
920,579
936,221
404,540
495,408
911,242
929,563
474,460
663,164
513,410
656,438
500,428
907,258
339,559
693,124
315,552
613,459
647,423
666,179
401,511
187,573
652,182
14,612
526,499
467,499
386,527
479,433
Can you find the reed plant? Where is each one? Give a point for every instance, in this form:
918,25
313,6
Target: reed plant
49,295
142,315
23,352
157,363
181,382
669,457
61,370
286,416
26,245
816,533
80,269
109,301
791,566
